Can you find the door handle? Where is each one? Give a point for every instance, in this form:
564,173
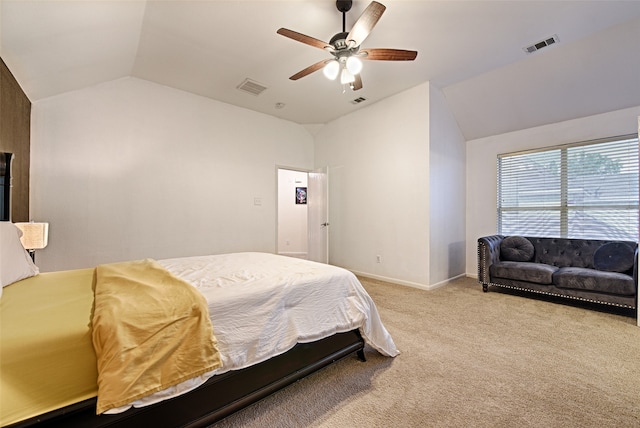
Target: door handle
324,224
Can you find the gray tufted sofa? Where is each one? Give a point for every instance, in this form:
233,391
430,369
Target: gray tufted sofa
597,271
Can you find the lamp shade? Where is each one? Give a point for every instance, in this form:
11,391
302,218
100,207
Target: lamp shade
35,236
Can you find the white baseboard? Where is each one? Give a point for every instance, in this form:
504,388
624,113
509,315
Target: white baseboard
446,281
407,283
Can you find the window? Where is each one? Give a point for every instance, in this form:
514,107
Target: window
586,190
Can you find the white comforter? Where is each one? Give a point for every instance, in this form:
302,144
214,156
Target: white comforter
262,304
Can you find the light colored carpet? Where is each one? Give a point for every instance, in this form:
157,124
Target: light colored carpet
472,359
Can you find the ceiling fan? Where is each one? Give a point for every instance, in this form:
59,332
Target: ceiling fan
345,47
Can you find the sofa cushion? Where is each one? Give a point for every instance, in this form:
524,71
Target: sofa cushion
594,280
523,271
516,249
614,257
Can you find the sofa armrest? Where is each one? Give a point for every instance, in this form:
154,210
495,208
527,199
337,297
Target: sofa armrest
488,253
635,273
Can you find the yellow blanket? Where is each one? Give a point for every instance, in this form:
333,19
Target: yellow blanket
150,331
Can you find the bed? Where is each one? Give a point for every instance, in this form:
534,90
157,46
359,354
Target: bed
275,320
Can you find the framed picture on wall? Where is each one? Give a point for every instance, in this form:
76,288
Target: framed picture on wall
301,195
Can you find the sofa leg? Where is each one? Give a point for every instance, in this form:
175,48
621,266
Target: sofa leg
485,287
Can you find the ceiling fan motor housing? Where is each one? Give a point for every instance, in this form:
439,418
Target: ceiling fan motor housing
339,41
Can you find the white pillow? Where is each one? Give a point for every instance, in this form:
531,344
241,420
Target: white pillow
15,262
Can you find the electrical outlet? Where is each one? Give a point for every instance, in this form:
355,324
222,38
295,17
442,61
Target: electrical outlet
378,259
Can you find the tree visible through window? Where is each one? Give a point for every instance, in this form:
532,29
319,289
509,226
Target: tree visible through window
587,190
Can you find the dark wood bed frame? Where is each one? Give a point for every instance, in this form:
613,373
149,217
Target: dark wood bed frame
220,396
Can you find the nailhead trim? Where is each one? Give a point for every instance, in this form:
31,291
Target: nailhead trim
560,295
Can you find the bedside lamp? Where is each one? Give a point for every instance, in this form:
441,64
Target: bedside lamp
35,236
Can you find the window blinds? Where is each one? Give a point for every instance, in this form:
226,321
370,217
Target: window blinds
587,191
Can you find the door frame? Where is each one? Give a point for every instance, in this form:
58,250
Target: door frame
277,205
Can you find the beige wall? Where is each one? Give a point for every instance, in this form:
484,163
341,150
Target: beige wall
447,192
397,189
378,162
131,169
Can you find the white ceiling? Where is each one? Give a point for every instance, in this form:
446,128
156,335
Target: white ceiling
472,50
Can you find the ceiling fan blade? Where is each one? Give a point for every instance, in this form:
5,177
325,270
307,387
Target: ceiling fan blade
315,67
387,54
357,84
302,38
365,23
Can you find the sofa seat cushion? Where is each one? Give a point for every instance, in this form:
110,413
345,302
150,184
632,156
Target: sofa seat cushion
523,271
594,280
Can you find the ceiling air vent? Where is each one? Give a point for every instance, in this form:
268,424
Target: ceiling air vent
541,44
252,87
358,100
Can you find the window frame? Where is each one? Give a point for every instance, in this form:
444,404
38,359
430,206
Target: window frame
564,206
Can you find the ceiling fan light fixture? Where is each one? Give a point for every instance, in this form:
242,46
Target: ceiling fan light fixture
345,47
331,69
346,77
354,65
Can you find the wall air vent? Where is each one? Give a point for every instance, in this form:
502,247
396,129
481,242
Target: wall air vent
252,87
541,44
358,100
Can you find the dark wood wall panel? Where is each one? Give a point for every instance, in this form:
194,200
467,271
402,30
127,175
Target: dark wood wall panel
15,137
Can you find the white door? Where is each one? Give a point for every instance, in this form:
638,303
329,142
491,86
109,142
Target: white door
318,215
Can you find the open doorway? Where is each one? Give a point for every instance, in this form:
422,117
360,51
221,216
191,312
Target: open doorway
303,214
292,215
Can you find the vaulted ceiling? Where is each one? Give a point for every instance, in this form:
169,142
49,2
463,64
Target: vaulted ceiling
472,50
